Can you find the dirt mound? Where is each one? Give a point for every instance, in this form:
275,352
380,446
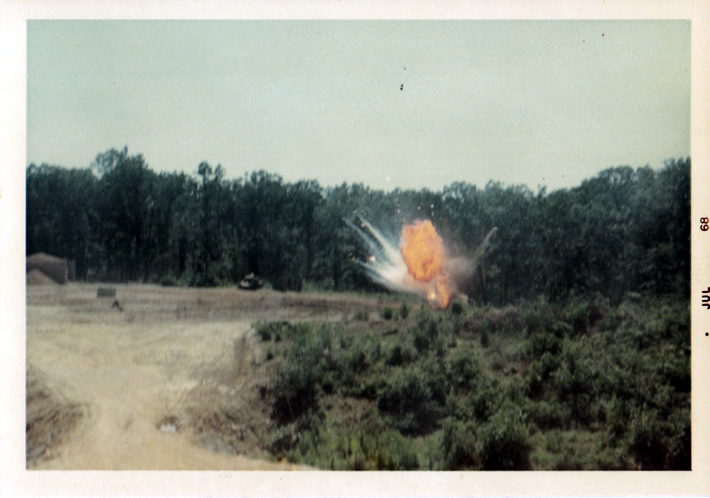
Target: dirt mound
49,419
55,268
41,258
37,277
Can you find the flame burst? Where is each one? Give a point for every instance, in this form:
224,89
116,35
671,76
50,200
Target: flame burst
425,257
422,250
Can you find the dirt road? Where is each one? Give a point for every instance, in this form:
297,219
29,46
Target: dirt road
132,374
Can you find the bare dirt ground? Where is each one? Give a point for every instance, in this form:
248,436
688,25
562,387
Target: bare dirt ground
156,381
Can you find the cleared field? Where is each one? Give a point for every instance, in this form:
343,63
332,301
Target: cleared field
138,384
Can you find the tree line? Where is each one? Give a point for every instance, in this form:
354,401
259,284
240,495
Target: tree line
623,231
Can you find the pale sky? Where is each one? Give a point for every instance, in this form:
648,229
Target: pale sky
407,104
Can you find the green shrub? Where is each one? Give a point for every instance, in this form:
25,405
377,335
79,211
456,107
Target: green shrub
352,361
374,350
295,390
297,441
679,444
670,323
456,326
435,373
464,369
400,355
513,389
387,313
675,369
485,341
168,281
279,330
505,441
537,318
281,440
577,314
648,441
506,320
394,452
484,399
617,417
424,334
408,398
661,444
403,310
458,445
609,322
579,450
296,384
560,329
578,380
355,449
546,415
540,372
264,332
478,405
540,343
456,307
356,360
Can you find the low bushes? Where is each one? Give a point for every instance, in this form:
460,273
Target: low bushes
504,441
296,385
414,398
458,445
546,386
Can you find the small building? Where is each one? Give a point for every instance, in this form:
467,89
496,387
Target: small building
53,267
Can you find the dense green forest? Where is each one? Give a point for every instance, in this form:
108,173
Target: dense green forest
625,230
573,354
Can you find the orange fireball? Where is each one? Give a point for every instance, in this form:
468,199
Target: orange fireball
422,250
424,255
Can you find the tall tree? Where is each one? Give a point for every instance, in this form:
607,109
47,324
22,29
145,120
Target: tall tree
125,204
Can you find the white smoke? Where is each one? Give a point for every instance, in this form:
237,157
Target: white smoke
385,265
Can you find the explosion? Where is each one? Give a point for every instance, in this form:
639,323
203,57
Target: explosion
422,250
420,263
425,258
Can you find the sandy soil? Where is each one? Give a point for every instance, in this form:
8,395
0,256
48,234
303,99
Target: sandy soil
138,387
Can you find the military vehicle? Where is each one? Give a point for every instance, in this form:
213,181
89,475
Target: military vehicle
250,282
